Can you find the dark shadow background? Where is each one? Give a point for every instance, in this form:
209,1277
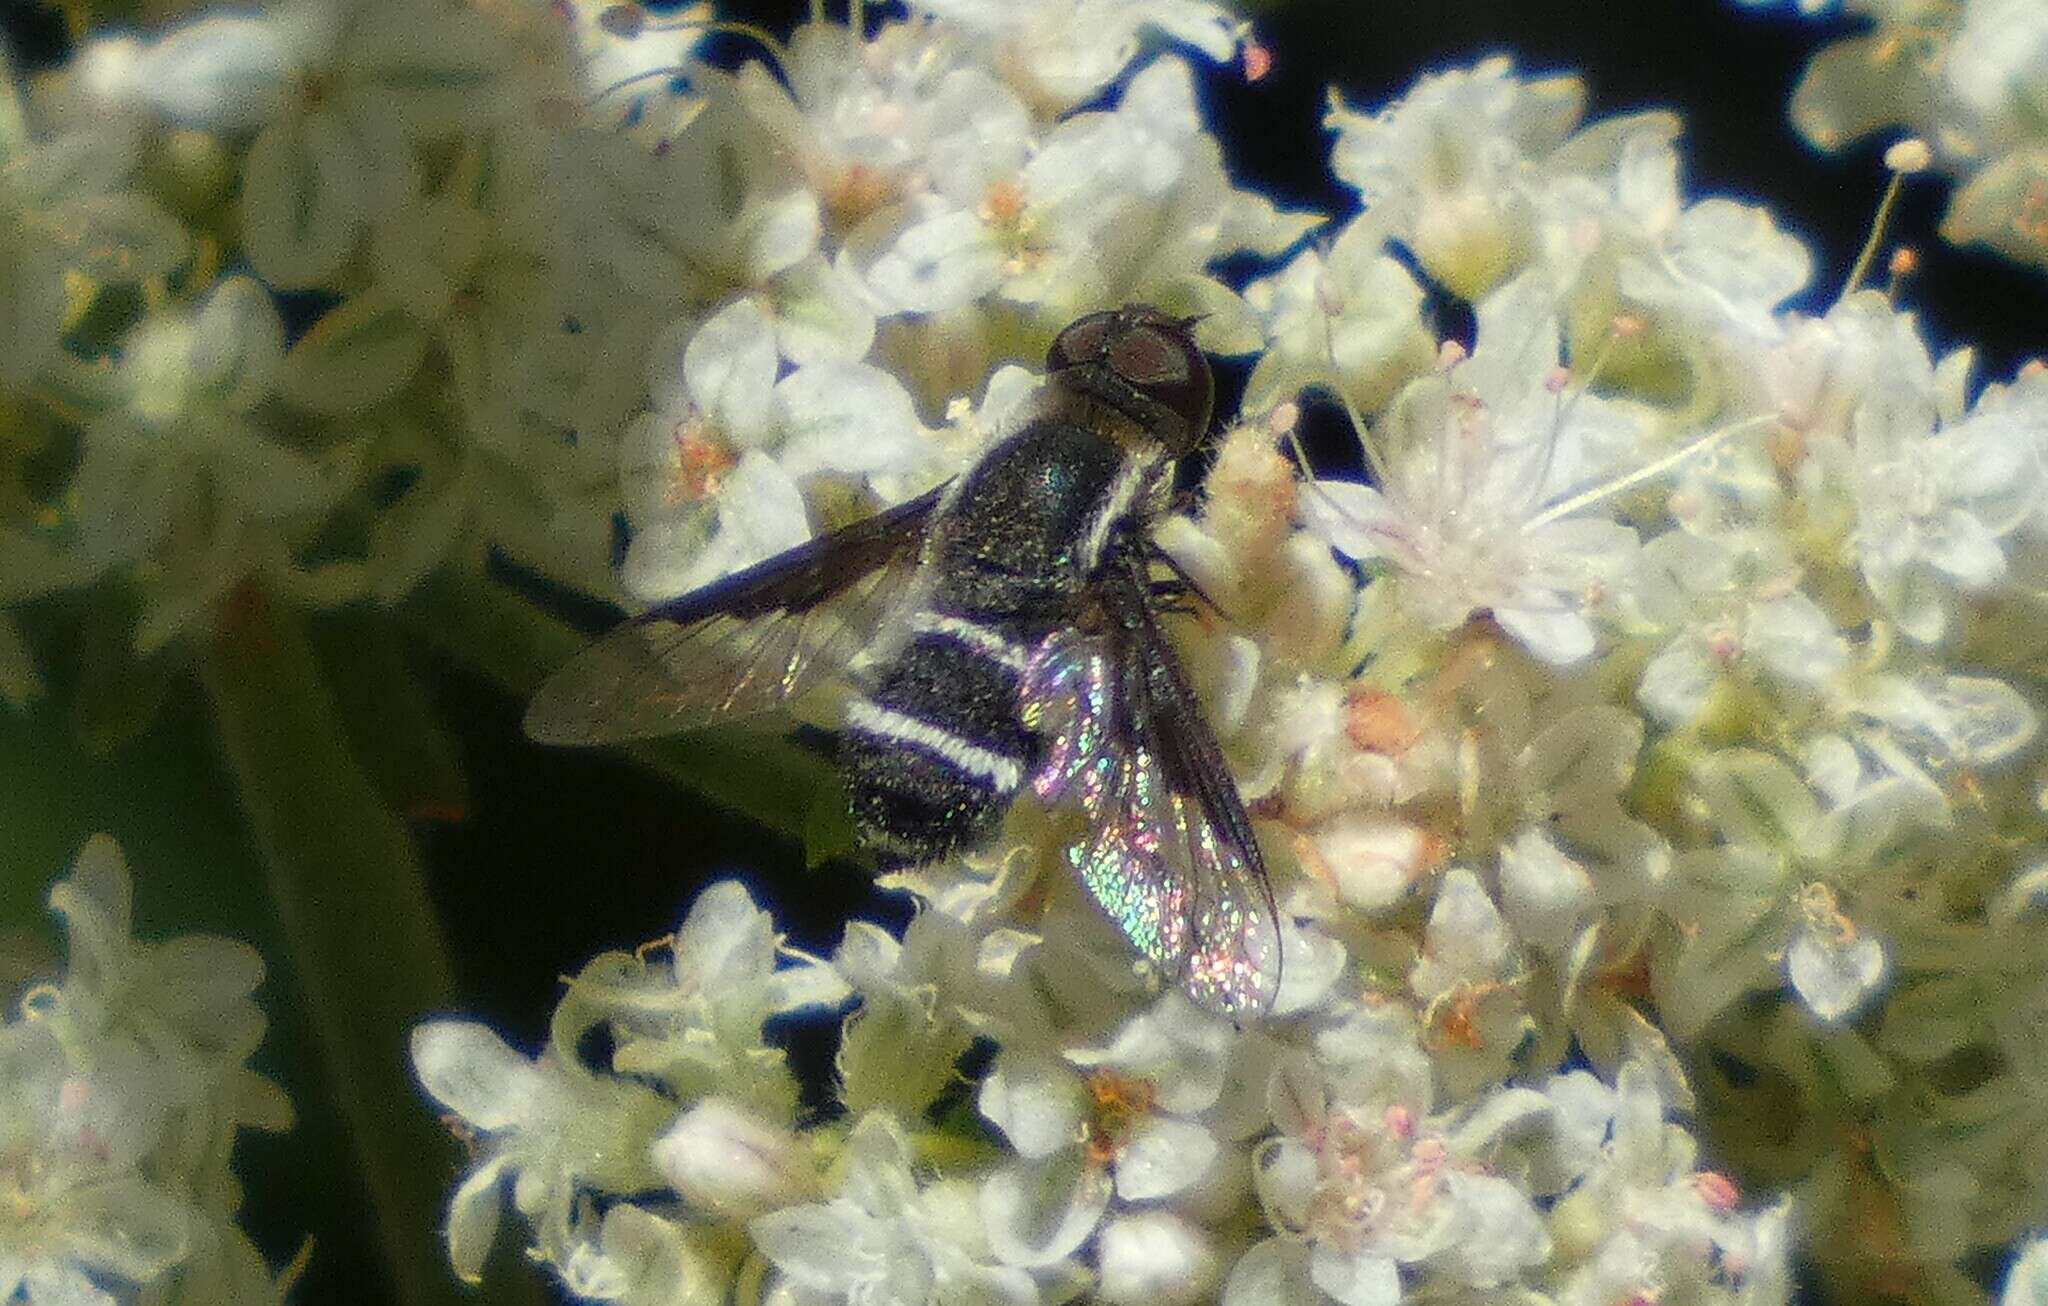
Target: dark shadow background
561,855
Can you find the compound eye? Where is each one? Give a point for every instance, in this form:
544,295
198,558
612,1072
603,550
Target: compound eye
1160,360
1146,357
1080,341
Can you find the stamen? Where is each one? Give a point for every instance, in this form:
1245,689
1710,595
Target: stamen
1375,462
1905,261
1904,159
1649,470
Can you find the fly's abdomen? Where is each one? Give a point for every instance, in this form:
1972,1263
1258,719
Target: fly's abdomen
936,750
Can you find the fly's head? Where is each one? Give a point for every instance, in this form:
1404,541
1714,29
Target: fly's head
1144,366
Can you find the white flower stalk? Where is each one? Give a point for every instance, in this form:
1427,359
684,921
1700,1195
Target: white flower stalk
122,1087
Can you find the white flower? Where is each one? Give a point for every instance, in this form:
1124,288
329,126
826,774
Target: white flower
220,72
548,1126
640,1258
1131,1119
713,477
1129,203
1933,506
1359,1189
182,470
1154,1256
1624,231
1469,519
695,1023
80,1203
1448,168
1730,602
727,1159
121,1090
1652,1218
901,1049
892,121
1753,901
67,208
884,1237
1060,52
1349,317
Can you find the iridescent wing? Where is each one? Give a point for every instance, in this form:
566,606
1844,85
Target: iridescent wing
747,644
1170,852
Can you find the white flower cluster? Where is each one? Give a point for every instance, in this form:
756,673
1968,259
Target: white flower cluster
326,294
1654,735
1665,748
1969,78
1138,1150
122,1089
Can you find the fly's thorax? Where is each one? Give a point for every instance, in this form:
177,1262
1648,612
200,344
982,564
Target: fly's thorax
1019,540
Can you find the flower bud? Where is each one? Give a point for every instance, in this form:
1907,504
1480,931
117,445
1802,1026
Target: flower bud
723,1158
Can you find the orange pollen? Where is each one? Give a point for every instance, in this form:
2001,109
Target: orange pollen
1458,1027
1717,1190
1824,915
1787,447
1905,261
1118,1104
857,191
1379,722
1003,205
702,459
1258,61
1630,978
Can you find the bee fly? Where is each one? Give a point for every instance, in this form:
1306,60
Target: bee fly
1003,633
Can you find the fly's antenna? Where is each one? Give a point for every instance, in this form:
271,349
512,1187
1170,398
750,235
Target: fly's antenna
1904,158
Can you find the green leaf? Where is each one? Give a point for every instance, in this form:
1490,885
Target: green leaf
350,894
391,722
119,694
